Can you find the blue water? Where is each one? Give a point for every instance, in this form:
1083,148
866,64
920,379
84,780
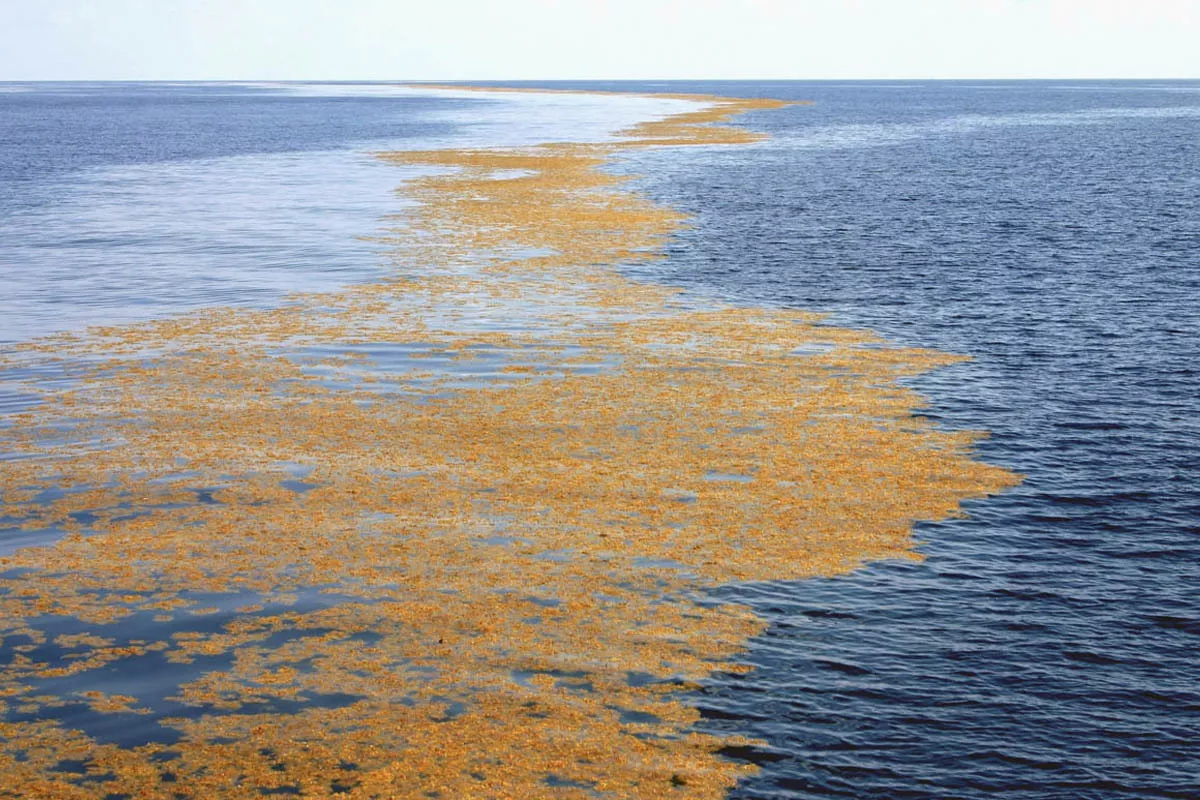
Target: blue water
1046,646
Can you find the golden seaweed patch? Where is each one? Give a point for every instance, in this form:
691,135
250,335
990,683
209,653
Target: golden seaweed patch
448,534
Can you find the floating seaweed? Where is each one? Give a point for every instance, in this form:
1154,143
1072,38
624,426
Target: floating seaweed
449,534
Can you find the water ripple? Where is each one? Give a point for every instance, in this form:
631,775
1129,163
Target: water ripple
1046,646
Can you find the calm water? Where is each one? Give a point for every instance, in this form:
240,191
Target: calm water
121,202
1046,647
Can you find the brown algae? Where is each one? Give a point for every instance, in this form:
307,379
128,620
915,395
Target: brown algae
476,571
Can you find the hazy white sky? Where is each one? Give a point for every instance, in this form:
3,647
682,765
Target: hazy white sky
488,39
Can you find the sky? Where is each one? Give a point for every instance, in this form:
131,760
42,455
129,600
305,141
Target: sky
596,39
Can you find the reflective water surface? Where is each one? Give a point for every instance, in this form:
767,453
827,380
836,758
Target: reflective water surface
121,202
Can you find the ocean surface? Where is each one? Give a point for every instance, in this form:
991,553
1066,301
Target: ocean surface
1046,646
124,202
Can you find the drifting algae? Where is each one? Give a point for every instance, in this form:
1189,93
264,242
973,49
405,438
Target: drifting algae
449,534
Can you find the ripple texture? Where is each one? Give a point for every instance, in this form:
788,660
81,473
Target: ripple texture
1046,647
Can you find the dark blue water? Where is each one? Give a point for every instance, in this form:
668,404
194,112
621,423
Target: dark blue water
1047,645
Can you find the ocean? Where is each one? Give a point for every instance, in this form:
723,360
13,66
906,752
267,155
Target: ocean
1044,645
